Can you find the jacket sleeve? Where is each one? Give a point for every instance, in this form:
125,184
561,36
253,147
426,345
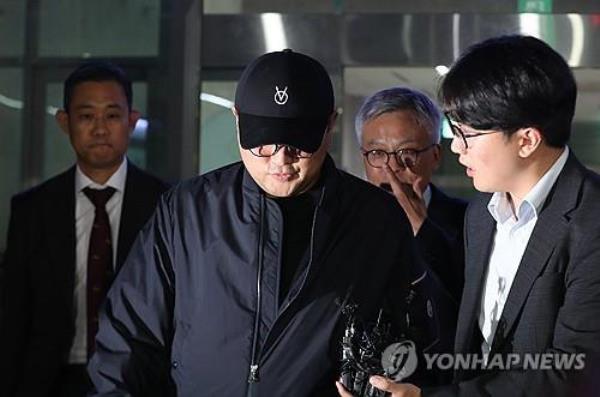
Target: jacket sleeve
443,253
399,281
135,332
15,304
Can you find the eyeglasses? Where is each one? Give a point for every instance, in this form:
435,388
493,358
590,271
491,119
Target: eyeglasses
406,158
462,136
272,149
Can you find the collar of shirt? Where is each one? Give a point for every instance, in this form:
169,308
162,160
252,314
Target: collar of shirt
427,196
116,181
500,207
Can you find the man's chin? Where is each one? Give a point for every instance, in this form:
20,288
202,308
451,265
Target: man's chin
279,189
102,162
484,188
279,194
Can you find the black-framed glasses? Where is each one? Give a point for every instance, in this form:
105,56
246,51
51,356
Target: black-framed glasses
462,136
272,149
406,158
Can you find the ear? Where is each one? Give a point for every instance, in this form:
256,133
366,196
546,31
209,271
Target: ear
332,119
236,114
62,119
134,116
528,140
437,155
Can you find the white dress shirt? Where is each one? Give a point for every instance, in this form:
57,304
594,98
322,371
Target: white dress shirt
510,241
84,218
427,196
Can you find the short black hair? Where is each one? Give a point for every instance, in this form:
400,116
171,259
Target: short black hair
98,71
511,82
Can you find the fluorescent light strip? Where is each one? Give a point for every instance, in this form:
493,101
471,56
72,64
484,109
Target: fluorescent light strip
217,100
455,36
272,24
11,103
51,110
530,25
406,35
17,104
442,69
577,41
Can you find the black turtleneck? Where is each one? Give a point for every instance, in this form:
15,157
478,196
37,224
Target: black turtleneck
298,212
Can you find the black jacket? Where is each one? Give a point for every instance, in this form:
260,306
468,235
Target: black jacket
196,306
440,241
437,283
37,316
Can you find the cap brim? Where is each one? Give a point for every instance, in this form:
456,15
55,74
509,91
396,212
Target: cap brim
304,134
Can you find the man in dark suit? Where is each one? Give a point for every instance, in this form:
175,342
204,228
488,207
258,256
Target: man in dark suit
68,237
399,132
530,312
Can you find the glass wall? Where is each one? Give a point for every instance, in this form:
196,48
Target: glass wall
218,139
12,29
11,115
12,49
107,28
186,56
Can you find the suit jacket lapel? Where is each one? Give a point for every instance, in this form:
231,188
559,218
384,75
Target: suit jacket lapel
551,225
478,245
61,235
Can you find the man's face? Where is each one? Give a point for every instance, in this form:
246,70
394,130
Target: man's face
491,158
399,130
283,175
99,124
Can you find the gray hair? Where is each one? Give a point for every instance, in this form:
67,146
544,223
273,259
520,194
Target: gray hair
394,99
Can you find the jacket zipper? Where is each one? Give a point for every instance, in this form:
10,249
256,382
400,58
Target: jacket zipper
312,242
253,375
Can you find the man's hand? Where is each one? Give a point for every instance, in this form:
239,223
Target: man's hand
410,197
342,390
397,389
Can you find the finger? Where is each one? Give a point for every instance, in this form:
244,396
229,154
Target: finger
406,188
398,187
382,383
419,185
391,175
342,390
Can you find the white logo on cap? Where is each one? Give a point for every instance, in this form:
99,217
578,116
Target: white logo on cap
281,96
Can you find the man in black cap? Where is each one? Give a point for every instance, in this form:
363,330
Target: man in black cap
236,286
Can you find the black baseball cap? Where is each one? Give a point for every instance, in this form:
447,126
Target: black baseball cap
284,97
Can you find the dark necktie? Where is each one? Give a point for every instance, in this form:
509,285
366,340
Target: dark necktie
99,264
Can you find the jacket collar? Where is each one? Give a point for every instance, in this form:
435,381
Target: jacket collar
329,181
